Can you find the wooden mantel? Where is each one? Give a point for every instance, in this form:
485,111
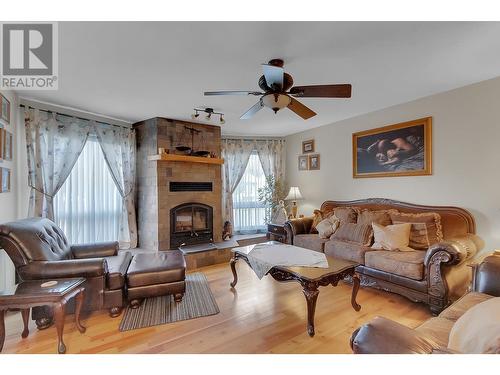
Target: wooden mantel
185,158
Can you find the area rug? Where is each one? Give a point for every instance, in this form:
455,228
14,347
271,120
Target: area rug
198,301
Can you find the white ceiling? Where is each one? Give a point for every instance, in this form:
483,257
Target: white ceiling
136,70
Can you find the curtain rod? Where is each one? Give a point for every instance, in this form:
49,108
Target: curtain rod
236,138
79,118
72,112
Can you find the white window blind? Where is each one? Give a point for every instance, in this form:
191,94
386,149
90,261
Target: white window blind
88,207
249,213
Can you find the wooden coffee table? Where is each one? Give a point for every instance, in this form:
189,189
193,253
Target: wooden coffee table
308,277
30,294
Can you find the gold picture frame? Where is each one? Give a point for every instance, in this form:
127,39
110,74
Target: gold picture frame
403,149
314,162
308,146
303,163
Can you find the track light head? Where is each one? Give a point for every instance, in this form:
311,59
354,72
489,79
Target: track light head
221,119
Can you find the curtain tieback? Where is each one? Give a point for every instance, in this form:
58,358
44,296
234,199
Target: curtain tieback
41,192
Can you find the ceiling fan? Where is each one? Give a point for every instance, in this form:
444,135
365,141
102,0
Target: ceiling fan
275,83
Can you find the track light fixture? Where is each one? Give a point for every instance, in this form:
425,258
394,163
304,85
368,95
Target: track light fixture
209,112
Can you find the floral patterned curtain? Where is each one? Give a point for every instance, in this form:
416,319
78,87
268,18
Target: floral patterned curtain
118,147
235,153
272,157
54,143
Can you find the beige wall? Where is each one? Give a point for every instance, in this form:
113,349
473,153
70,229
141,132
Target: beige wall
466,157
9,201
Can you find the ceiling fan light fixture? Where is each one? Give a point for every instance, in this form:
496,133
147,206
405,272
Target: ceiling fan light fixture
276,101
221,119
195,115
209,116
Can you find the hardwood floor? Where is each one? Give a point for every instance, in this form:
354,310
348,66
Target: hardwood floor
261,316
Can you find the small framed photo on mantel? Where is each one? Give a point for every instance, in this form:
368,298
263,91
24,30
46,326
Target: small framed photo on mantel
308,146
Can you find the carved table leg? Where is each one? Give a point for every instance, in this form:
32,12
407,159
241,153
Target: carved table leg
79,303
2,329
311,294
59,312
355,288
26,316
233,269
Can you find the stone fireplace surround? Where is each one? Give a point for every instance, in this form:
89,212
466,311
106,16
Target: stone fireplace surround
155,200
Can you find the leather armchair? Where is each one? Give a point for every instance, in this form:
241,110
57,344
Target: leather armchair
384,336
40,251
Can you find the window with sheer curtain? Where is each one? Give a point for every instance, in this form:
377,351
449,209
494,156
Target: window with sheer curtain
249,213
88,207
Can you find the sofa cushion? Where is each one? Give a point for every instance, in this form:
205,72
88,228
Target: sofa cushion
117,268
437,329
403,263
391,237
464,303
328,226
426,228
310,241
346,214
346,250
478,330
381,217
359,233
319,216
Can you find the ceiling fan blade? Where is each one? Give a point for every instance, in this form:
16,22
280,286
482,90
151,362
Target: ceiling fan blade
273,75
208,93
252,111
300,109
322,91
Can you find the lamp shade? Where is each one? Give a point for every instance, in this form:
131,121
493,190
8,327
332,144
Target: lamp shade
294,194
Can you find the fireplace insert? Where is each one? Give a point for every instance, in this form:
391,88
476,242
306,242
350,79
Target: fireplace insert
190,224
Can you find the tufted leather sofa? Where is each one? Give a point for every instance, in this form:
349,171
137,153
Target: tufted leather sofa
40,251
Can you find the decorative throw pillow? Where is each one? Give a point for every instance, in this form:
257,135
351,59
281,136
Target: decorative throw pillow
358,233
346,214
381,217
478,330
319,216
391,237
425,228
328,226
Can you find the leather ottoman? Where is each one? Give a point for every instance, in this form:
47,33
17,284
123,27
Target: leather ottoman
158,274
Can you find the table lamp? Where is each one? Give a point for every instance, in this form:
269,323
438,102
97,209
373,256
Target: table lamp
294,195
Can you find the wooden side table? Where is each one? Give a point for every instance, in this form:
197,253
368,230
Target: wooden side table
276,232
30,294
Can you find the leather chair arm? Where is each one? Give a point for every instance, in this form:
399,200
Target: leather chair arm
384,336
96,250
486,276
42,270
453,251
300,226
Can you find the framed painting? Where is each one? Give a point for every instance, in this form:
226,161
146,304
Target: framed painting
308,146
4,180
303,163
403,149
6,144
314,162
1,142
4,109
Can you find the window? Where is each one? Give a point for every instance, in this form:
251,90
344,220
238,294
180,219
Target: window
249,213
88,207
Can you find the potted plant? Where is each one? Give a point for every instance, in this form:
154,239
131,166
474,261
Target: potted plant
272,195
